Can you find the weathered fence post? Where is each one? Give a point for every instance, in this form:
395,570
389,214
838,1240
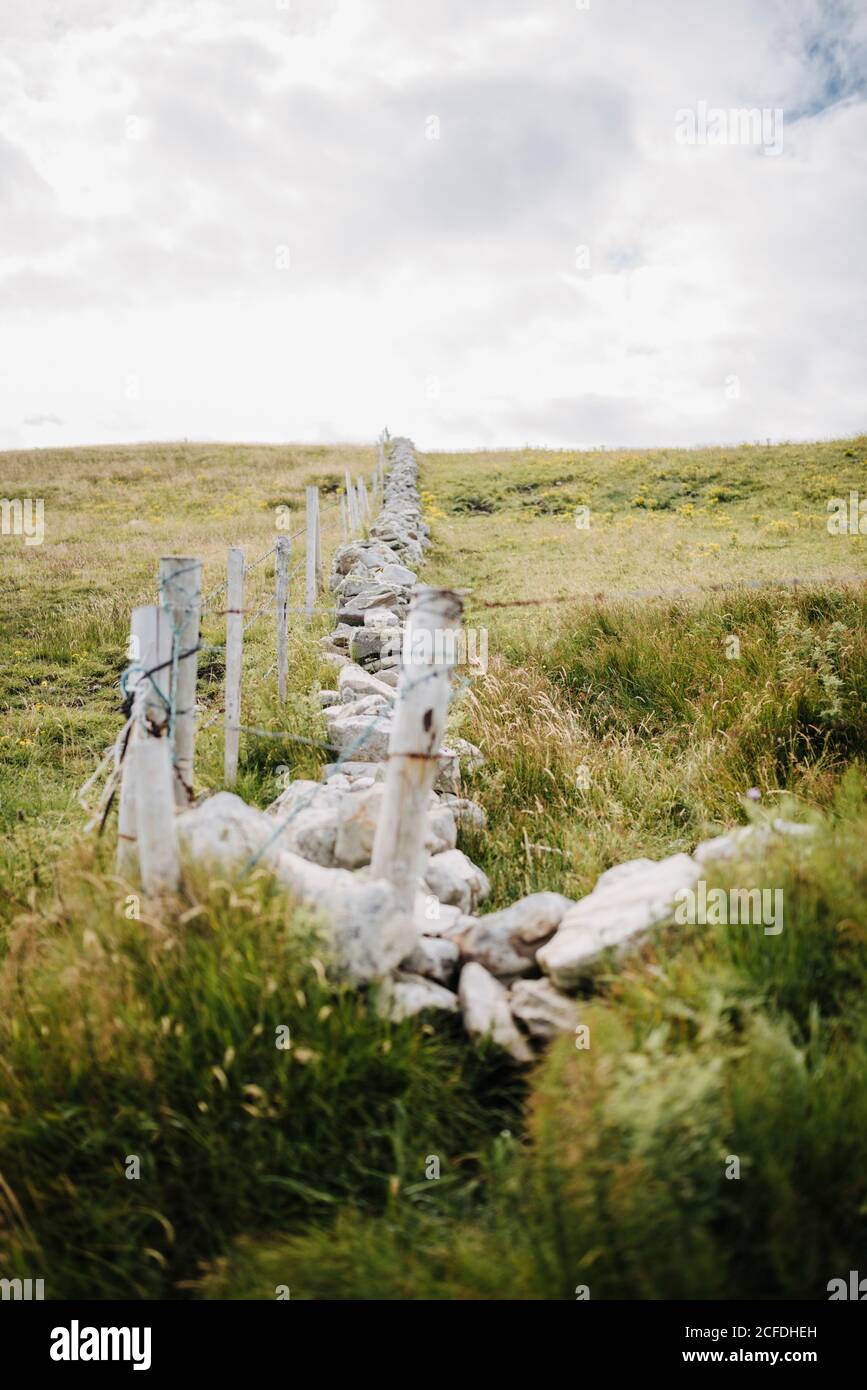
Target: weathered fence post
318,544
181,596
312,548
365,502
281,576
352,505
430,650
150,647
234,657
126,859
157,842
343,532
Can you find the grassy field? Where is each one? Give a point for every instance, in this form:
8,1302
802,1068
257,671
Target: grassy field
109,515
614,724
667,519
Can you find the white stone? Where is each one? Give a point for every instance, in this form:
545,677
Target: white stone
382,618
223,833
368,704
376,598
361,557
408,995
455,879
368,933
397,574
506,942
302,795
455,759
470,756
442,831
355,681
357,826
353,771
364,738
466,812
435,957
433,918
621,908
542,1009
312,834
748,840
340,782
485,1006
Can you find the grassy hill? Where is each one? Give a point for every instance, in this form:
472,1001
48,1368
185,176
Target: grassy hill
615,724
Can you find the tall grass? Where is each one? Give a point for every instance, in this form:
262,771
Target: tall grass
158,1039
710,1142
631,733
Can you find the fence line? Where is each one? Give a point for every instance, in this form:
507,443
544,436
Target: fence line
152,759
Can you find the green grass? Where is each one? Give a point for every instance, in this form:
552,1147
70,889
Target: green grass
724,1045
64,606
159,1039
613,726
628,731
659,520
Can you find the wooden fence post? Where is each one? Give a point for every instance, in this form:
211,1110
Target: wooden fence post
150,646
381,458
430,650
126,859
234,658
181,595
310,553
352,505
318,544
157,841
343,531
281,574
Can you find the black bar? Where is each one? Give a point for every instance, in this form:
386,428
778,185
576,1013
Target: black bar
268,1338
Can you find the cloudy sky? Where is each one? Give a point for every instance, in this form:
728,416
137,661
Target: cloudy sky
477,221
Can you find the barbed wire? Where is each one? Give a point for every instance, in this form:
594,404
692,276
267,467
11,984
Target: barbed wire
199,604
253,563
270,602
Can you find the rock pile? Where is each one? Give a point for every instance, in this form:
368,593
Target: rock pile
506,972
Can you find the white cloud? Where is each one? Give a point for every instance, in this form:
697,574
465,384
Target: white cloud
226,221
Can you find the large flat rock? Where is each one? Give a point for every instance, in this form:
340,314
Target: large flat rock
626,902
